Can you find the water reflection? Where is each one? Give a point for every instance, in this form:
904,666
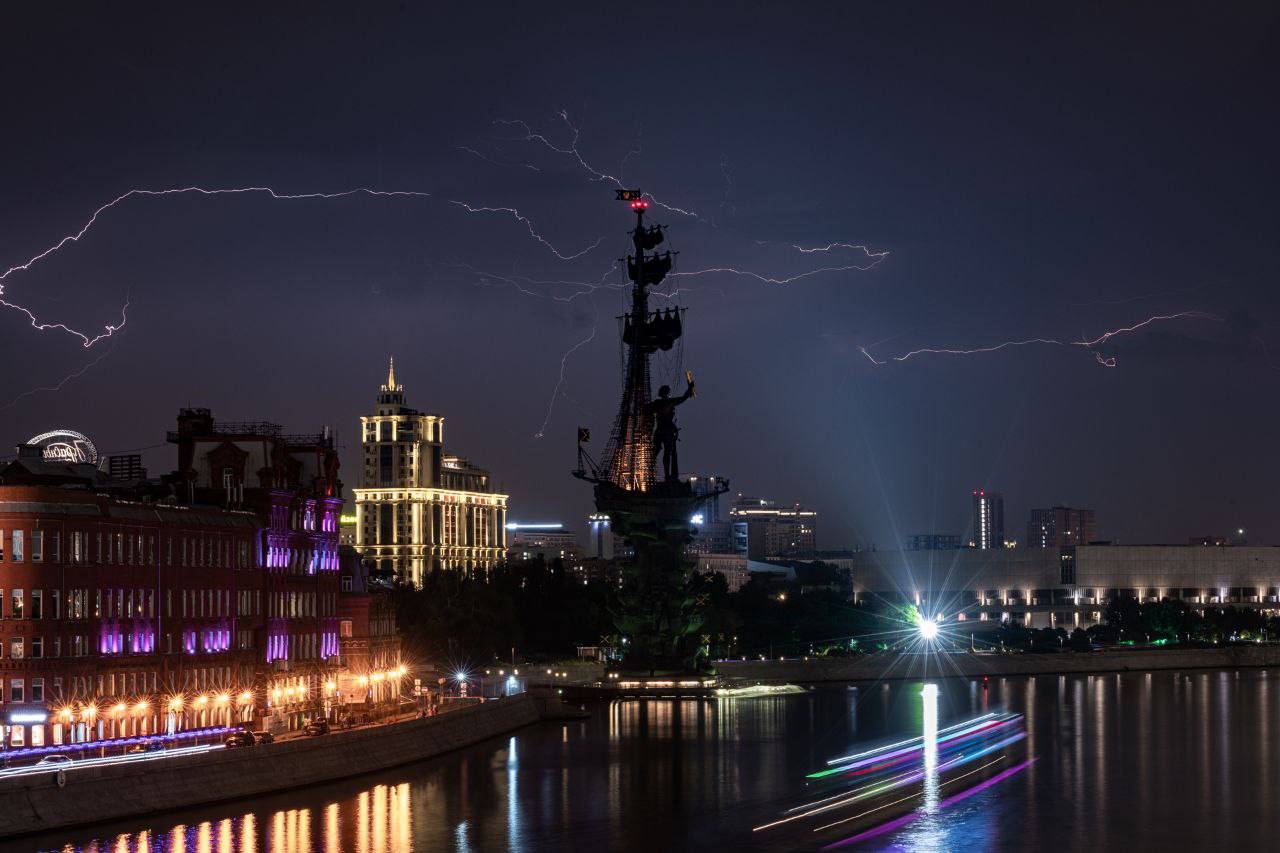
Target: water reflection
377,822
1185,757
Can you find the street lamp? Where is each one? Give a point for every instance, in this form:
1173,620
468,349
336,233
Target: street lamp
928,629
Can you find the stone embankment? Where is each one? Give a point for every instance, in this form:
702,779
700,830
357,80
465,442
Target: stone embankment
916,666
96,794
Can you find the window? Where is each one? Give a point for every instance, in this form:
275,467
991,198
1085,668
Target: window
1,545
37,650
37,691
17,649
344,628
55,543
37,602
37,546
17,546
346,583
56,601
15,604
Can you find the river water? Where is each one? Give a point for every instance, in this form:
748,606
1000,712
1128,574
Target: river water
1161,761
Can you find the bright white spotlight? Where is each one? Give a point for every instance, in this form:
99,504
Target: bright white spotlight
928,629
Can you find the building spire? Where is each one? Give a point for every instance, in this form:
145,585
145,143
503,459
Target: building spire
391,375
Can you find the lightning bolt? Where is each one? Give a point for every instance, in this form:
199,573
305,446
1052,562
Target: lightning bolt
530,135
876,258
638,151
66,379
88,339
833,246
470,150
1089,344
522,284
529,225
564,360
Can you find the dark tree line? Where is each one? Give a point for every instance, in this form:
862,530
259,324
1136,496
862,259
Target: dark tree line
544,611
536,607
1174,621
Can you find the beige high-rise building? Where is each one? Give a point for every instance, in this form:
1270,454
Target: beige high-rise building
419,509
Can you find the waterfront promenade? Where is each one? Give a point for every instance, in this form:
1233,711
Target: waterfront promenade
67,796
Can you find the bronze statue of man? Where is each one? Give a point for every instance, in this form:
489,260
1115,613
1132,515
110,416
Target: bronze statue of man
665,431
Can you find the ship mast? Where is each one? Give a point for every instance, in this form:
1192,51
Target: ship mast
628,459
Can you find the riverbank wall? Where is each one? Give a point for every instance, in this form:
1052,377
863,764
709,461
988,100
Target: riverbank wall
96,794
882,667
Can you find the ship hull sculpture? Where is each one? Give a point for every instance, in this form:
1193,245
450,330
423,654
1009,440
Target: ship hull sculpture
656,607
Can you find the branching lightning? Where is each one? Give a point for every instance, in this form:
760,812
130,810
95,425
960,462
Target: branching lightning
833,246
876,258
487,159
530,135
70,377
564,359
563,291
1089,344
89,339
529,225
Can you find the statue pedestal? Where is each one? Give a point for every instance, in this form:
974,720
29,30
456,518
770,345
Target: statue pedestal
656,608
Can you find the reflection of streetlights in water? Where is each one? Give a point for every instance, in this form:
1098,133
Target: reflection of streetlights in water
929,696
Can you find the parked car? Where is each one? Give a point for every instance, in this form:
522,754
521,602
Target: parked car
316,728
149,746
55,761
264,737
237,739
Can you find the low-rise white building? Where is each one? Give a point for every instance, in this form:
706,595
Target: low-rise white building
1067,587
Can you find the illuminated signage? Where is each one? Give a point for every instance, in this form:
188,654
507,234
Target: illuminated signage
17,717
64,445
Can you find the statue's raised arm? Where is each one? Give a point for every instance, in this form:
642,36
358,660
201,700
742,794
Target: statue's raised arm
665,431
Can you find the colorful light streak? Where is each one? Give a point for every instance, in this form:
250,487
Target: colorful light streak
905,763
187,734
906,819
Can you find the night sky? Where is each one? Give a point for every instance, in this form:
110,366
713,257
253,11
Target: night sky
1048,172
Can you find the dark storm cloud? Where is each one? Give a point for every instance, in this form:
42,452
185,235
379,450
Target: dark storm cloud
1033,171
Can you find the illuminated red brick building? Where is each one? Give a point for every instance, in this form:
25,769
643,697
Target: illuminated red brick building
204,599
367,639
123,618
291,483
